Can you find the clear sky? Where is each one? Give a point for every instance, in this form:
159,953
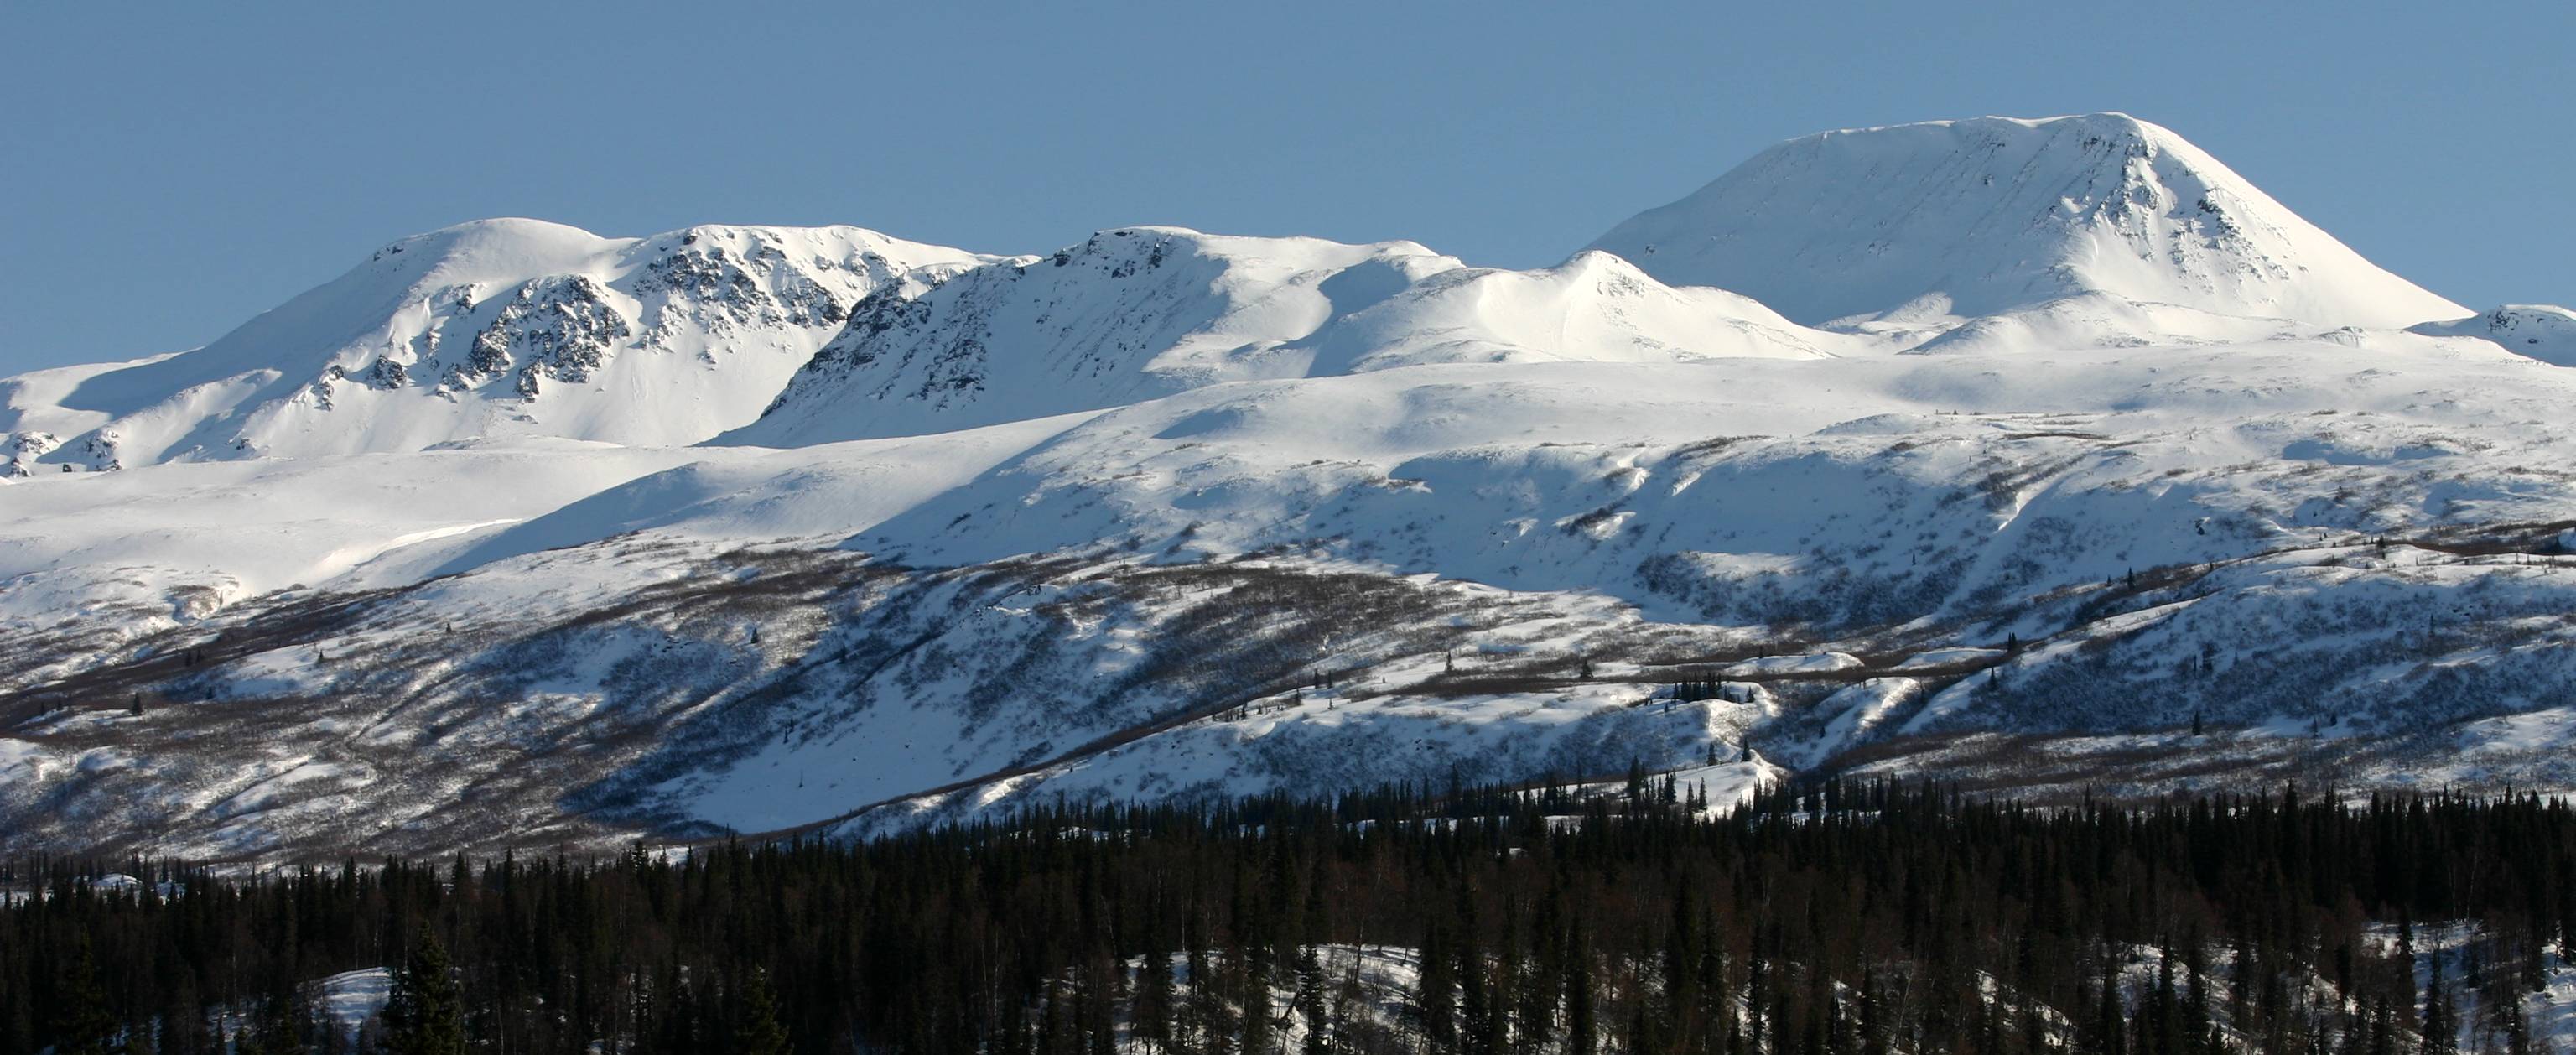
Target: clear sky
166,172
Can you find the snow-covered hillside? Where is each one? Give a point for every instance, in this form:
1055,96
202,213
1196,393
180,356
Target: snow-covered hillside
1976,218
494,328
2545,332
1176,514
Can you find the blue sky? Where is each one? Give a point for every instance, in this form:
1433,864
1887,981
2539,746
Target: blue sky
171,171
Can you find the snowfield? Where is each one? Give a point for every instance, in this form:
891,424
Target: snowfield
520,536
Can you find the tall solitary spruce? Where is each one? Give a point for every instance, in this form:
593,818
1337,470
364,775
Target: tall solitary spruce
424,1013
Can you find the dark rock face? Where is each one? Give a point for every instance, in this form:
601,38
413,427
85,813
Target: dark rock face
560,327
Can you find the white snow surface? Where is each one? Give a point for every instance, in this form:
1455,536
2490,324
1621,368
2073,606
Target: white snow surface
350,999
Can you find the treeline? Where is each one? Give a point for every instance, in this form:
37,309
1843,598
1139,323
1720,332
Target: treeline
1838,918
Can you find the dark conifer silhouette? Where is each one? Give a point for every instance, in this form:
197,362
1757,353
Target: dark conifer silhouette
424,1014
1832,916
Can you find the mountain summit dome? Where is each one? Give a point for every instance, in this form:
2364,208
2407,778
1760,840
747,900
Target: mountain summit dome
1983,216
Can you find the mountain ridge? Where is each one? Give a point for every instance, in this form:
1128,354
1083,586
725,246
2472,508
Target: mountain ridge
2102,230
1135,313
505,326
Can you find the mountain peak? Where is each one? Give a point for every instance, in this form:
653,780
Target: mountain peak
1984,216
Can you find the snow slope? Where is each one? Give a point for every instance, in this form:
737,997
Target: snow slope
1382,575
492,328
1980,217
97,558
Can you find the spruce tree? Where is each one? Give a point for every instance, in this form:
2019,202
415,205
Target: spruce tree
1202,1019
1310,1000
2441,1027
1582,1024
1435,995
1153,1013
755,1027
424,1015
82,1023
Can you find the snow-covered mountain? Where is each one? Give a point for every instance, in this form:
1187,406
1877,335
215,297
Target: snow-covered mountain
522,535
1961,219
1130,314
1137,313
494,328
